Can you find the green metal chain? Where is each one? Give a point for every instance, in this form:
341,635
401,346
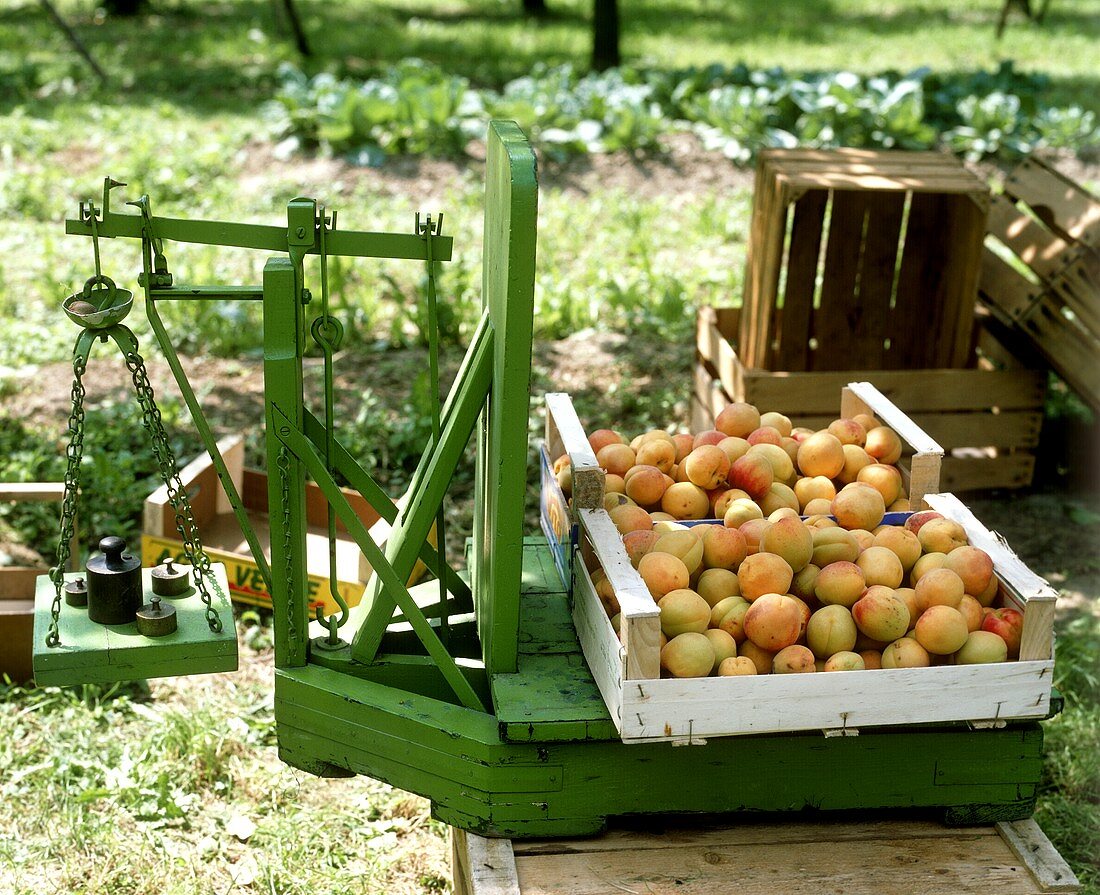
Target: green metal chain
177,494
74,452
283,462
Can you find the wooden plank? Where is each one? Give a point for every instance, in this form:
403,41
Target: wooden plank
978,473
802,267
1005,291
914,865
757,329
601,647
26,492
878,273
1030,844
1078,285
1059,201
1070,350
962,250
1012,429
1043,251
920,287
946,184
566,435
840,314
485,866
691,710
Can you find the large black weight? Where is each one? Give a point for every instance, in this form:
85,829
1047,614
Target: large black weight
114,584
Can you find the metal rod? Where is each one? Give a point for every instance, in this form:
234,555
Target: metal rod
348,243
207,293
77,43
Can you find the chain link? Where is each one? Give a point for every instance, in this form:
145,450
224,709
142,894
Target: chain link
283,462
177,495
74,452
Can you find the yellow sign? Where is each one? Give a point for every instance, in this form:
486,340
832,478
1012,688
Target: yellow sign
246,585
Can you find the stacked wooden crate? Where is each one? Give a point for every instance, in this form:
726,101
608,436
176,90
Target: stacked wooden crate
864,265
1041,273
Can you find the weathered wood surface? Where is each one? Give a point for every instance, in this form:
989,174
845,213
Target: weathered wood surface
864,857
566,435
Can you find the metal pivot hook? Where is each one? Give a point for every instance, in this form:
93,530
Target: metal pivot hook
100,304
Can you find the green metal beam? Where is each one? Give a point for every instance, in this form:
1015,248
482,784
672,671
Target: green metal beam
403,546
390,580
352,244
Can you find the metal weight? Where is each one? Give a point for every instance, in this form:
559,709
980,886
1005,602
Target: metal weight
155,620
76,593
114,584
168,581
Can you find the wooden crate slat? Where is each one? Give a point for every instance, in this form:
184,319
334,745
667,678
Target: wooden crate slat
1014,470
1071,351
1078,285
966,221
798,296
878,273
1059,202
837,322
1014,429
899,180
1043,251
919,280
1006,291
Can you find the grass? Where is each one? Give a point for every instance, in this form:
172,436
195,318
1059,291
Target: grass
136,790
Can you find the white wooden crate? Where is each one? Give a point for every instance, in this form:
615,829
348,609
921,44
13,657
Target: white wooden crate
646,708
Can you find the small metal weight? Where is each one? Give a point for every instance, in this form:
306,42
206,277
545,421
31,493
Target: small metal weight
76,593
168,581
114,584
155,620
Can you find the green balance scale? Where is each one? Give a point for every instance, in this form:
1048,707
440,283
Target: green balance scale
470,690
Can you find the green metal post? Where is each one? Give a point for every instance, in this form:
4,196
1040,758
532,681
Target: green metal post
284,327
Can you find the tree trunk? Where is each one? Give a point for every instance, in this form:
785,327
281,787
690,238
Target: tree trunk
536,8
605,34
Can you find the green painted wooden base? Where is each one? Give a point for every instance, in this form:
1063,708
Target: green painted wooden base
548,761
91,653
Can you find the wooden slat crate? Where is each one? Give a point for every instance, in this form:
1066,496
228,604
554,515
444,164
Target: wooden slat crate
646,708
859,857
986,419
873,257
1041,271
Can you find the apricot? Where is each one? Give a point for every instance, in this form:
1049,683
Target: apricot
917,520
813,488
987,596
663,522
738,419
779,497
804,581
973,565
736,667
864,538
821,454
684,545
858,506
663,573
615,458
716,584
971,610
830,630
883,444
759,656
793,660
901,505
820,521
777,421
629,518
819,506
724,646
880,615
848,431
804,613
733,618
764,435
885,479
1008,624
683,610
646,486
905,652
601,438
721,499
834,545
753,474
790,539
711,436
941,536
845,661
684,443
926,564
904,544
840,584
980,648
782,465
940,587
941,630
773,622
638,543
614,483
723,548
872,659
764,573
685,500
782,513
734,448
753,530
706,466
855,459
657,453
881,566
790,447
688,655
606,592
614,499
909,597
